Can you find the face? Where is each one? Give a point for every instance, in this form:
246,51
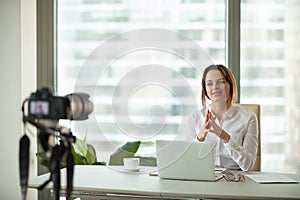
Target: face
216,86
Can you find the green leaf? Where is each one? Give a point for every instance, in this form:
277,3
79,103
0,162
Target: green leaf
148,161
80,147
78,159
100,163
84,154
43,158
91,157
126,151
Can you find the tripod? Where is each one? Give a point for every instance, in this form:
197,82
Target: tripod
60,153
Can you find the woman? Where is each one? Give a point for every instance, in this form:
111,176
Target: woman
233,129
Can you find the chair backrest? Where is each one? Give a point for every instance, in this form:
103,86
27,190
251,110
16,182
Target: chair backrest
255,108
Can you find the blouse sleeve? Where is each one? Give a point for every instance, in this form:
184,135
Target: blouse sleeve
190,134
245,155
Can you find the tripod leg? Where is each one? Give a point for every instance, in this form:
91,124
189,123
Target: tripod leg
70,172
55,159
24,164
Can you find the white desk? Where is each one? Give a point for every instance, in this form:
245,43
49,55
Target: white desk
100,182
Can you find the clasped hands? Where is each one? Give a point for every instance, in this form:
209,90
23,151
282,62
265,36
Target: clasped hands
211,126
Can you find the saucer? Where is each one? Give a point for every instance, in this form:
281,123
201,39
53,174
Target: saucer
131,170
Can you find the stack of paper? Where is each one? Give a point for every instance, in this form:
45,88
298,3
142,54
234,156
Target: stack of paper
270,178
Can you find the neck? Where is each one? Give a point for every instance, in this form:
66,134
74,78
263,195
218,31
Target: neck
219,109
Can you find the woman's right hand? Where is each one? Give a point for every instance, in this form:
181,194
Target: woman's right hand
205,129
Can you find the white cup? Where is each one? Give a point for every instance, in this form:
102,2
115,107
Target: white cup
131,163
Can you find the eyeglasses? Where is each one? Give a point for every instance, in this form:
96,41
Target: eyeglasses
228,176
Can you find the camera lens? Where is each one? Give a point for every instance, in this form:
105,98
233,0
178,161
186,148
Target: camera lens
80,105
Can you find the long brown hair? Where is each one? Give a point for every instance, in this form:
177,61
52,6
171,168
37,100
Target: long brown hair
228,76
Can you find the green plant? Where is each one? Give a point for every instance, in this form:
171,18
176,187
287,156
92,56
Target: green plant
128,150
84,154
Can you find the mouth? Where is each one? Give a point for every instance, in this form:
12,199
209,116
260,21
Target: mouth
217,93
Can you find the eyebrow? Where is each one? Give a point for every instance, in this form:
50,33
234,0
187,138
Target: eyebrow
216,80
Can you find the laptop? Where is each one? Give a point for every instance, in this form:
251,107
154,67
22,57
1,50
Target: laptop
186,160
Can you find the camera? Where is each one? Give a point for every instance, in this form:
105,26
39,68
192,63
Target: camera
42,104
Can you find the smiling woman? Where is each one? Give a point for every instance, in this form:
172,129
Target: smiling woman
233,130
224,82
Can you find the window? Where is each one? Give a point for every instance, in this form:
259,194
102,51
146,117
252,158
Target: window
143,93
269,64
266,67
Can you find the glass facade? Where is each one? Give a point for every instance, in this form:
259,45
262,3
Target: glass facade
268,77
262,73
292,86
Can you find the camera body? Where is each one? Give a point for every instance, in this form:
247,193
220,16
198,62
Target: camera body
42,104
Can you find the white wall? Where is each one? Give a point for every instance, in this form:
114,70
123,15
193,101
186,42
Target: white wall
17,80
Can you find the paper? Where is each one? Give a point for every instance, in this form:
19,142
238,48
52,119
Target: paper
271,178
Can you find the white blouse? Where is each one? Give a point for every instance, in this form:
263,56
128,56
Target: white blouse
241,125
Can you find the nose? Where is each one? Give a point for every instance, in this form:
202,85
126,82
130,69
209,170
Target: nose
215,85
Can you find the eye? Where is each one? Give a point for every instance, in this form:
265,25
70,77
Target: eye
221,81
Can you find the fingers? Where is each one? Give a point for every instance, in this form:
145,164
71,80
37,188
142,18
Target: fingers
208,115
211,115
202,135
207,124
214,128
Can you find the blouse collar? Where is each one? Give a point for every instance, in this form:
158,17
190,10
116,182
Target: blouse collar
228,113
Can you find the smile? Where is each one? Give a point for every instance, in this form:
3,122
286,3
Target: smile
217,93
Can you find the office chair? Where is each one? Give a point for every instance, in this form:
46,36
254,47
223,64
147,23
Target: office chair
255,108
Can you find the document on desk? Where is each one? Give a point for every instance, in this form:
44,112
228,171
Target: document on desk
269,178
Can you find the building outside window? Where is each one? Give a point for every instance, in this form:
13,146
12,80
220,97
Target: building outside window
268,70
